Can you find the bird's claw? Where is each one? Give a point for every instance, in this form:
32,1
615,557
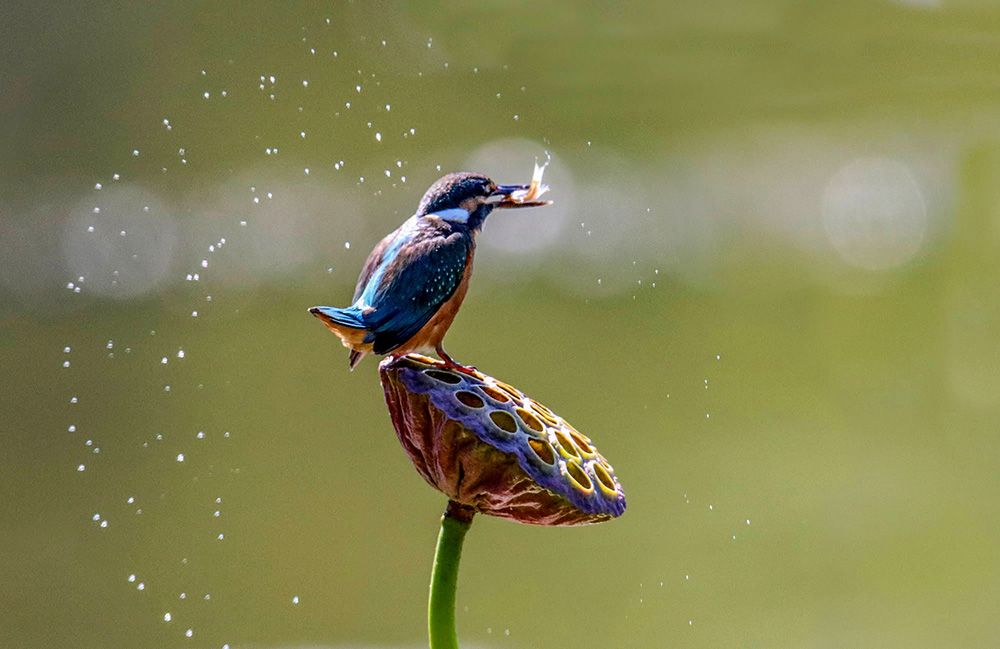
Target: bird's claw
451,364
464,369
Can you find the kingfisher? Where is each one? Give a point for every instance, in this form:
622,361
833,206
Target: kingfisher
414,281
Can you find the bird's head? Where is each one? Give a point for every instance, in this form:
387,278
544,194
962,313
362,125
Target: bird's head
469,198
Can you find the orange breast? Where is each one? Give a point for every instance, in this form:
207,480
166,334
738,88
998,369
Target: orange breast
431,334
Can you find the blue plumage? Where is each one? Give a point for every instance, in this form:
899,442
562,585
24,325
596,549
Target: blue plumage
415,279
419,271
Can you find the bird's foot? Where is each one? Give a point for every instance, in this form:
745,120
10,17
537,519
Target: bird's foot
464,369
451,364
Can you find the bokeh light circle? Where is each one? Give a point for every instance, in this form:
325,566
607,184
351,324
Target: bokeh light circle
124,247
874,213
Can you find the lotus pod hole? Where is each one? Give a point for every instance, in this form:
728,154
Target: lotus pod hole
494,394
582,442
470,399
604,479
529,420
543,450
513,393
544,412
566,444
462,433
503,419
447,377
578,476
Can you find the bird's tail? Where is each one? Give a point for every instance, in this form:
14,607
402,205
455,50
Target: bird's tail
349,317
349,327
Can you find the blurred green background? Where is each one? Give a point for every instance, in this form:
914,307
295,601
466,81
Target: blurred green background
767,290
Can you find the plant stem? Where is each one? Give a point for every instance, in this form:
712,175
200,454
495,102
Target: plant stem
444,577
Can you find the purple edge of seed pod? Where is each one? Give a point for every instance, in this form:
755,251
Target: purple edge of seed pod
594,503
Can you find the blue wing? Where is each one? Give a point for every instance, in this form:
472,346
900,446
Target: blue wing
418,273
351,316
374,261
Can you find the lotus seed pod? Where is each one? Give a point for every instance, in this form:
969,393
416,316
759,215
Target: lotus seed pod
486,445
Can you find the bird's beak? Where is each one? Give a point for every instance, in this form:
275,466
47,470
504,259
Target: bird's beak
506,190
521,195
503,196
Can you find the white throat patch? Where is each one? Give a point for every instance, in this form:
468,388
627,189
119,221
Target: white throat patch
455,215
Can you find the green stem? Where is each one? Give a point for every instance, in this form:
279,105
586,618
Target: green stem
444,577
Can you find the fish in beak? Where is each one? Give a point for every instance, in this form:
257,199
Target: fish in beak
522,195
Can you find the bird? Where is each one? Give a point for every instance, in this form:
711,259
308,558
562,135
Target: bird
415,279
